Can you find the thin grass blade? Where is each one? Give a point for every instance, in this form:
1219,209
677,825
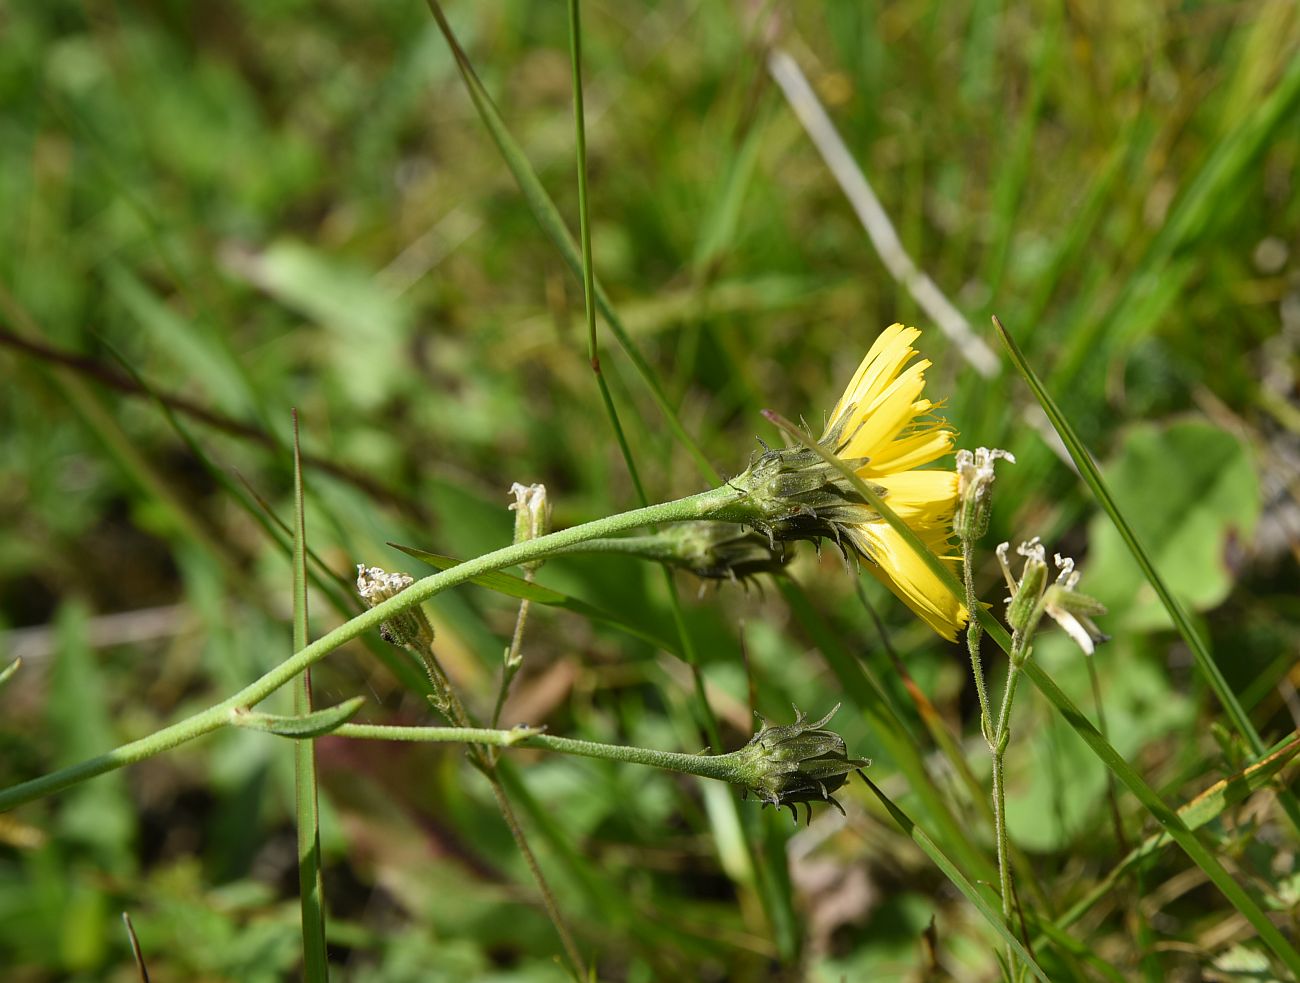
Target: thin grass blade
549,218
310,882
972,894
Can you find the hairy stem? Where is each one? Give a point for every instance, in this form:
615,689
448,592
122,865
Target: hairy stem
718,503
974,632
720,767
998,749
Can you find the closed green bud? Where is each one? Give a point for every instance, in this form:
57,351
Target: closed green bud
721,550
532,511
801,762
974,490
793,493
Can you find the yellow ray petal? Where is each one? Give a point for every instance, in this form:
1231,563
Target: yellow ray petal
924,444
890,352
870,426
907,576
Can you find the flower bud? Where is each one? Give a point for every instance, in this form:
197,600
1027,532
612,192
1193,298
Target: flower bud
532,512
721,550
793,493
1074,611
410,628
1022,607
974,487
801,762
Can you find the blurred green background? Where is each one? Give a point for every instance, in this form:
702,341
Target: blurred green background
244,207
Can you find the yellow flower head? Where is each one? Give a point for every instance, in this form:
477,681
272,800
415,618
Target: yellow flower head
884,426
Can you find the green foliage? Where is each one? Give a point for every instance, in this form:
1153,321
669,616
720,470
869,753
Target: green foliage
1191,492
265,206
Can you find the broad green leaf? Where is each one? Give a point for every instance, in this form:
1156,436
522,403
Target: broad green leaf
367,324
1189,490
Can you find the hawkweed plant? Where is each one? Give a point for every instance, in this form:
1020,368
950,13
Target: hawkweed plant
887,432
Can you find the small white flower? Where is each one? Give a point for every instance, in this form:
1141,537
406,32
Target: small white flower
1071,610
975,469
408,628
1031,597
375,585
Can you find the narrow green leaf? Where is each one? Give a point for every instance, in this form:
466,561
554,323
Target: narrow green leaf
922,839
311,886
552,223
314,724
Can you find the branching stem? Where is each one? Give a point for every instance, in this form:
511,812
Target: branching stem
718,503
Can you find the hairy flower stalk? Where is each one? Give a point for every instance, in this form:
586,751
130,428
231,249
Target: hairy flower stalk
710,549
884,429
783,766
1031,596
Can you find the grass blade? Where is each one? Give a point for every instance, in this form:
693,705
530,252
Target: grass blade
310,883
549,218
136,953
588,270
972,894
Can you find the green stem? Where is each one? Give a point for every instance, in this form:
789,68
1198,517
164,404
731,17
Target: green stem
571,950
721,767
998,749
513,657
974,631
645,547
311,886
718,503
